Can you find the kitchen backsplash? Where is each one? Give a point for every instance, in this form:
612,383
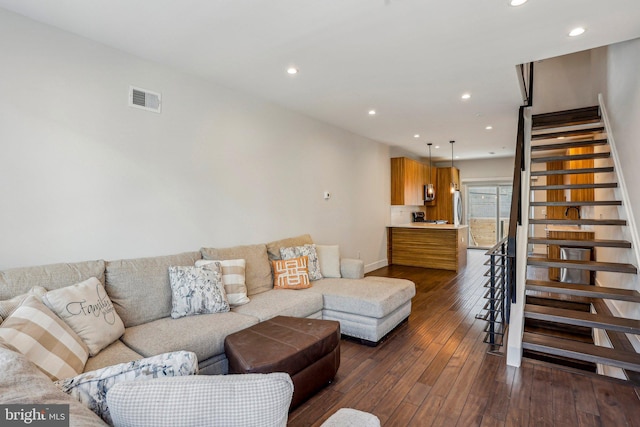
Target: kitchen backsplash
402,214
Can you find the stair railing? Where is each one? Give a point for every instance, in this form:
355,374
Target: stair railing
517,238
496,310
501,285
508,259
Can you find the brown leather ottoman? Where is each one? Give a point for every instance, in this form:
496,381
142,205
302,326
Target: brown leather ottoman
307,349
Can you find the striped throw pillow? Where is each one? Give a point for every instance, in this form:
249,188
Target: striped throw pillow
291,273
233,279
45,340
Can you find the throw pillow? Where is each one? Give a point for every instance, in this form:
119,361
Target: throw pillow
233,279
329,258
291,273
91,388
8,306
309,251
87,309
197,290
45,339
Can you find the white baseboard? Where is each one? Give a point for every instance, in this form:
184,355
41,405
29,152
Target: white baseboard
376,265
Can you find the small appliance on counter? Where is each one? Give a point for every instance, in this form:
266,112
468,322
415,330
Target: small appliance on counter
418,217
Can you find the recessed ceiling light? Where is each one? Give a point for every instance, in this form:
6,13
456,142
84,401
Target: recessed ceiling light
576,32
417,135
466,96
457,157
489,127
437,146
372,112
517,2
292,71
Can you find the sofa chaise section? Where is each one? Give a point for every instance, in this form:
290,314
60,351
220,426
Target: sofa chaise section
367,309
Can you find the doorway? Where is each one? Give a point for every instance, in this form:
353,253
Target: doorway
488,207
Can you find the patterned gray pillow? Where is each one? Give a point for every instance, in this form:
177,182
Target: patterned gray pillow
91,387
197,290
310,251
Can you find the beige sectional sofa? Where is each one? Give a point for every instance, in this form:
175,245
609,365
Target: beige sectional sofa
367,308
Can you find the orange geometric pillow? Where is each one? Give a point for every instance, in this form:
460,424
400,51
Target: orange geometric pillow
291,273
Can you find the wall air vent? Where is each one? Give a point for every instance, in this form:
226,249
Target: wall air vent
145,99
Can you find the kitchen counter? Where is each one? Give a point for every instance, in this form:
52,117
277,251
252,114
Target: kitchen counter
439,246
430,225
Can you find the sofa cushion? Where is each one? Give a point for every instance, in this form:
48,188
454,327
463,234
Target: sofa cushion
8,306
309,251
197,290
139,288
113,354
21,383
19,280
87,309
204,334
258,270
233,278
291,273
372,296
329,259
45,339
91,388
273,248
251,400
282,302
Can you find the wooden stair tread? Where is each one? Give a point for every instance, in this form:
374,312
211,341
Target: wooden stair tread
585,243
584,290
583,265
568,133
571,157
570,117
618,340
577,221
581,351
606,169
580,203
570,144
581,318
574,186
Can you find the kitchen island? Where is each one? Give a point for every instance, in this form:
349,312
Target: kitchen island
440,246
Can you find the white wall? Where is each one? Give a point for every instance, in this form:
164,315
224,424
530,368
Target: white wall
568,81
622,102
84,176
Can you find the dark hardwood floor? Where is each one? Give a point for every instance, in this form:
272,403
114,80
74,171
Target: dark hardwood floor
435,370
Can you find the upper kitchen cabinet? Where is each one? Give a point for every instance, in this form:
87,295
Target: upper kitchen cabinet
408,178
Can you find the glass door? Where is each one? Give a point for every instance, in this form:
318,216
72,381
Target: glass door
488,207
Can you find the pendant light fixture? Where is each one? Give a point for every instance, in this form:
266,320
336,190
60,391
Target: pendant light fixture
453,185
429,193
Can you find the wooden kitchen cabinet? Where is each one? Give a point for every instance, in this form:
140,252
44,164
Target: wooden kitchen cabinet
408,178
442,246
443,208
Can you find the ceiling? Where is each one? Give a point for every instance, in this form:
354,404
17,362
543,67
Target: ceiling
410,60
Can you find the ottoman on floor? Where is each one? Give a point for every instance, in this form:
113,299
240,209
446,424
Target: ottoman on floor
307,349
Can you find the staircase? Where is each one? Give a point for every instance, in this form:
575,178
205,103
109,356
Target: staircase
569,154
